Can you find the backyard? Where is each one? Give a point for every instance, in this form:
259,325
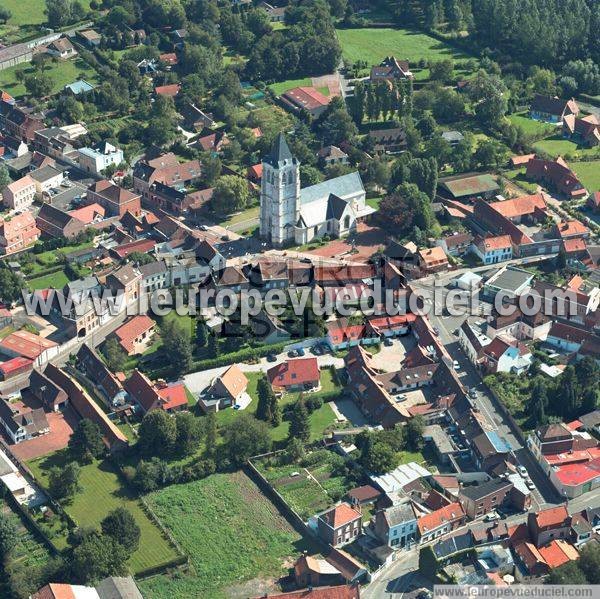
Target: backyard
101,492
232,533
530,126
557,145
589,173
374,44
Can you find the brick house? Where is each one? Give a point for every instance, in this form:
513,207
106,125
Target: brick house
440,521
339,525
295,375
18,233
135,335
552,110
53,222
549,524
115,200
20,194
481,499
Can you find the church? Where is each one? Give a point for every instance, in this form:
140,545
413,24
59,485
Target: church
291,215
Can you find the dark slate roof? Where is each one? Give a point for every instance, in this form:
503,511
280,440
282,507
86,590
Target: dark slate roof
447,547
335,207
279,152
481,490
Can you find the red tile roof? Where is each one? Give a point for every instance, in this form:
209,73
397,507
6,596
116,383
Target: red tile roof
26,344
168,90
55,591
450,513
575,244
169,58
340,515
489,244
552,517
571,228
521,206
141,245
344,333
294,372
364,493
306,97
15,364
558,552
173,396
573,475
132,329
87,214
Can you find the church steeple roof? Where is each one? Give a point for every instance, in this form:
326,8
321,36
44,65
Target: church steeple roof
279,152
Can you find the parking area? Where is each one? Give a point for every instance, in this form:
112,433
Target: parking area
389,358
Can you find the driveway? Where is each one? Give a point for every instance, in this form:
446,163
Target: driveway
389,358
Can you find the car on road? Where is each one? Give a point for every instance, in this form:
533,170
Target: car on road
436,331
473,393
456,365
388,342
522,471
491,517
292,353
530,484
271,358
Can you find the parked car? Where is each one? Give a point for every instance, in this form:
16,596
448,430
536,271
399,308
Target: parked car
301,352
530,484
491,517
292,353
436,331
473,393
316,350
456,365
271,358
388,342
522,471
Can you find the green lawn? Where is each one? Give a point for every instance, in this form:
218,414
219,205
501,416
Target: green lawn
529,125
61,73
374,202
249,214
283,86
557,145
320,419
519,178
101,492
230,530
589,173
374,44
56,280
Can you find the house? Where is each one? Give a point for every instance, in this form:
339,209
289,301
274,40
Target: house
112,587
557,175
167,170
125,281
21,423
339,525
46,178
330,155
552,110
582,131
440,522
195,119
115,200
456,244
168,397
276,14
90,214
169,59
503,355
155,275
95,160
432,260
388,141
537,562
226,390
305,99
571,229
338,567
363,495
54,222
90,37
48,392
453,137
18,233
19,122
390,69
465,188
489,449
211,141
53,141
92,366
20,194
491,250
482,498
135,335
390,326
61,48
549,524
396,526
341,335
301,374
168,91
330,592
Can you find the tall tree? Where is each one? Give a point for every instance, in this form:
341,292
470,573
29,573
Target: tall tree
86,441
122,527
299,423
264,391
158,433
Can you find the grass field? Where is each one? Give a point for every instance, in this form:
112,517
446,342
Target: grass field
314,487
101,492
518,177
57,280
283,86
373,45
231,532
530,126
61,73
589,173
557,145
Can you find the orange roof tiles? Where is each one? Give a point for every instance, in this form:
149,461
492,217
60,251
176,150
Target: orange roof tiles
490,244
520,206
294,372
234,380
554,516
558,552
26,344
340,515
571,228
87,214
132,329
438,518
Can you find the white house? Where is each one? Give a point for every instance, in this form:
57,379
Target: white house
95,160
20,194
46,178
491,250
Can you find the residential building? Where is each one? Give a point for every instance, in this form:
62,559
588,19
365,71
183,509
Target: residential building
390,69
226,390
95,160
571,229
55,142
90,37
47,391
432,260
489,449
90,214
456,244
504,355
18,233
301,374
147,396
453,137
276,14
168,91
557,175
440,522
396,526
115,200
583,131
126,281
167,170
155,275
388,141
549,524
21,423
339,525
54,222
552,109
330,155
482,498
305,99
92,366
491,250
19,122
46,178
472,341
20,194
136,334
61,48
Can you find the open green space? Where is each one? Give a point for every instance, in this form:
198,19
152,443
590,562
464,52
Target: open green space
529,125
61,72
56,280
101,492
374,44
557,145
283,86
518,177
589,174
311,486
231,532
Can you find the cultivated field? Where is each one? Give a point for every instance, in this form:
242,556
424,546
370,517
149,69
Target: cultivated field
102,492
231,532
